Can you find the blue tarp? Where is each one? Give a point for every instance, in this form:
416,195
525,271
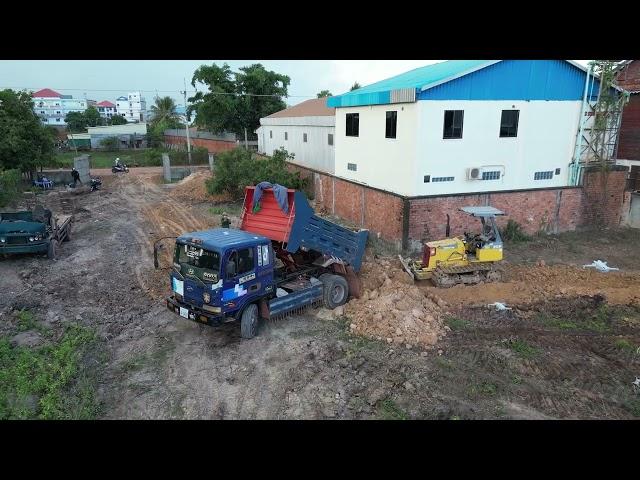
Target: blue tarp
279,192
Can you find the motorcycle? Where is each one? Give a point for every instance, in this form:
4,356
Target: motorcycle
96,183
119,168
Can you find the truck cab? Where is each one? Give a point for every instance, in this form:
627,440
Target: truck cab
216,273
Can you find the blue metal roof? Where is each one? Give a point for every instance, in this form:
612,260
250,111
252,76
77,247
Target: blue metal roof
416,78
478,80
222,238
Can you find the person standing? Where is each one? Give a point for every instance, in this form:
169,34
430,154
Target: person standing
76,176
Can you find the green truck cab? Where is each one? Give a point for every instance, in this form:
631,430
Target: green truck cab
33,231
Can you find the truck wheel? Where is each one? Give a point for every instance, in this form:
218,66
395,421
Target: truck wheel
53,249
336,291
249,321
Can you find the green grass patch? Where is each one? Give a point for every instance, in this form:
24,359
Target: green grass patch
26,321
389,410
522,348
456,324
625,345
216,210
513,233
485,389
554,322
634,407
516,380
444,363
48,382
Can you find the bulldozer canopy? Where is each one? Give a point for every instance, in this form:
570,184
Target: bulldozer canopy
484,211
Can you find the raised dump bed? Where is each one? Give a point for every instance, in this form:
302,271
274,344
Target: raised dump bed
301,228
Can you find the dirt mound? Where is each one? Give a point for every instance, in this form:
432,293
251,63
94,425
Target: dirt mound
531,284
393,309
193,188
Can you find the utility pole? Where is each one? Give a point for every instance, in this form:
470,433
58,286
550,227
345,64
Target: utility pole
186,121
246,145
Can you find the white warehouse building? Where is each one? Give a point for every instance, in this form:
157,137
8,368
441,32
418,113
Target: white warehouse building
463,126
132,107
306,130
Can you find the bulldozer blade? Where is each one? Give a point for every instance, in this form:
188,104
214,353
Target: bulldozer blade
407,268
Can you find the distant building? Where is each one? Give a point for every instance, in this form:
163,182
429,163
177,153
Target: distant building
52,106
628,77
131,135
91,103
132,107
106,109
307,130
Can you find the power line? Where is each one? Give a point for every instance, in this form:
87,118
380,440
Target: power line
177,92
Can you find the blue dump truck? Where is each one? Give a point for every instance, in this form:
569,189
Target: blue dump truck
283,259
33,231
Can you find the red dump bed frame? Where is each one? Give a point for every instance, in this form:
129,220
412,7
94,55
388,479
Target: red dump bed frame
270,221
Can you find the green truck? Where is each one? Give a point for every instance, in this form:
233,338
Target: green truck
33,231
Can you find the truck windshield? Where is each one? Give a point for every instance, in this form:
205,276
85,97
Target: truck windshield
205,263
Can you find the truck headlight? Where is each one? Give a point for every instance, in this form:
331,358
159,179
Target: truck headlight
2,240
31,239
206,297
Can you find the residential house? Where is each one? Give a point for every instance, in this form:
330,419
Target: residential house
132,107
130,135
106,109
306,130
52,106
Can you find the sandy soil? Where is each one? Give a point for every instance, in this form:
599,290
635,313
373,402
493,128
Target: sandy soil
557,354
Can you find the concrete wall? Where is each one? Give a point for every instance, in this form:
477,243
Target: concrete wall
82,165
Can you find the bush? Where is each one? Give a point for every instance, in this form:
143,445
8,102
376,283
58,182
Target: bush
513,233
9,185
110,143
238,168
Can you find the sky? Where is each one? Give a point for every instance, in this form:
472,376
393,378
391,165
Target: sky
108,79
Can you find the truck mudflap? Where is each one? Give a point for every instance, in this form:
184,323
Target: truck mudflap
296,301
195,314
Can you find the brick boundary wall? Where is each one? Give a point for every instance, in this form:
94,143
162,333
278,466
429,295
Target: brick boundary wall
407,222
213,146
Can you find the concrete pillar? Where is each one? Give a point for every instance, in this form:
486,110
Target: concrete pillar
166,167
81,164
211,161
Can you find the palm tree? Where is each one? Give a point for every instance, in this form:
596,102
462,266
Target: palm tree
164,111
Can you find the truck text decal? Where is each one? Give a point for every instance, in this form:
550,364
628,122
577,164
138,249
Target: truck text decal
246,278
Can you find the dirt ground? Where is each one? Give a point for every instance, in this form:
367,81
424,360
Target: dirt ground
567,349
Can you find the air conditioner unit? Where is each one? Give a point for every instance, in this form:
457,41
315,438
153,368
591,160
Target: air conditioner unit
477,173
474,173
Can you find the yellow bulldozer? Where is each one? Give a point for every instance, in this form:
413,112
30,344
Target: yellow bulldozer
470,259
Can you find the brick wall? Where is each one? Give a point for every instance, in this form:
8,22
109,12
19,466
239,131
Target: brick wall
379,212
549,210
213,146
629,142
604,197
552,211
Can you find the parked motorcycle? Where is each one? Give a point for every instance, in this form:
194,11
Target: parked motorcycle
96,183
120,168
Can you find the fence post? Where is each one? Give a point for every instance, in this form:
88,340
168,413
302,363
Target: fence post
166,167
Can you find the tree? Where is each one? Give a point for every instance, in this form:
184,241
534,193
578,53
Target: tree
236,101
324,93
110,143
118,120
92,117
164,110
26,143
355,86
76,122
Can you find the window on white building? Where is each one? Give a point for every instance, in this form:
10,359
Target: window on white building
352,166
509,123
392,123
57,120
453,120
543,175
330,139
270,133
304,137
286,136
353,125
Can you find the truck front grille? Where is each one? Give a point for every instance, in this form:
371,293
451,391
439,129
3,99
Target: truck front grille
16,240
